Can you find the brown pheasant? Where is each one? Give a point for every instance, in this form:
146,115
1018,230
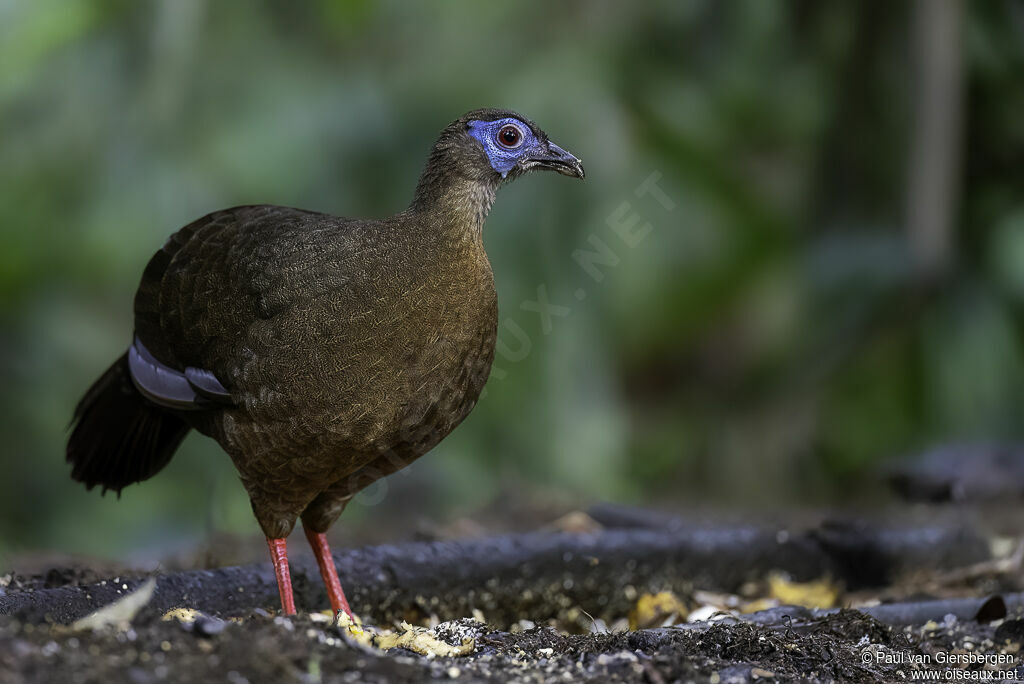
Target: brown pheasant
322,353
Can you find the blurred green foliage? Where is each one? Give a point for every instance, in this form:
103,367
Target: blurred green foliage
769,340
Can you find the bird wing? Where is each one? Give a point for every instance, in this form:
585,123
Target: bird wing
156,358
191,389
217,306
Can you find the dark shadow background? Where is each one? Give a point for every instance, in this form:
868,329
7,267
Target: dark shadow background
838,283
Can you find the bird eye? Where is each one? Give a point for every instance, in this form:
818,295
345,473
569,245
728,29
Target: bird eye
510,136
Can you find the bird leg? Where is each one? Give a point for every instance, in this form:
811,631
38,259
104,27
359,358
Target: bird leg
279,557
322,551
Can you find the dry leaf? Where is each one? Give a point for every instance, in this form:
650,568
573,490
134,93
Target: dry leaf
119,613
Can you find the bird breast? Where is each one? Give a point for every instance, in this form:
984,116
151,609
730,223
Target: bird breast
346,377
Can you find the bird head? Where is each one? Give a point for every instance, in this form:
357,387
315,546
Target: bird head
478,152
512,144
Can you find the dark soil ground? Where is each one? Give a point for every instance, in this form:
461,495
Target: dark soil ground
268,649
546,611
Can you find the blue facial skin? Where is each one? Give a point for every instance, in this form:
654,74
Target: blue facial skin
503,159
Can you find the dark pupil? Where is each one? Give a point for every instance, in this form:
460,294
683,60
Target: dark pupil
509,136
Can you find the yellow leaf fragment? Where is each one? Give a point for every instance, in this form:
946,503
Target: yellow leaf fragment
820,593
422,641
760,604
657,610
354,629
418,639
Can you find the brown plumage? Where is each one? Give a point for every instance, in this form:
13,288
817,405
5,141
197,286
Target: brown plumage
320,352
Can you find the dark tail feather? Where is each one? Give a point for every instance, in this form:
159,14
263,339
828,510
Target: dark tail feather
118,438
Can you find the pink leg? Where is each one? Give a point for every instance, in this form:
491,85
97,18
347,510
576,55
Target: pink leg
279,557
322,551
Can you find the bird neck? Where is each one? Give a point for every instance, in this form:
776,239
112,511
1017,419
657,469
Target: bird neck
453,204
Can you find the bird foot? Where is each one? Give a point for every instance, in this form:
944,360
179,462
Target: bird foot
347,621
